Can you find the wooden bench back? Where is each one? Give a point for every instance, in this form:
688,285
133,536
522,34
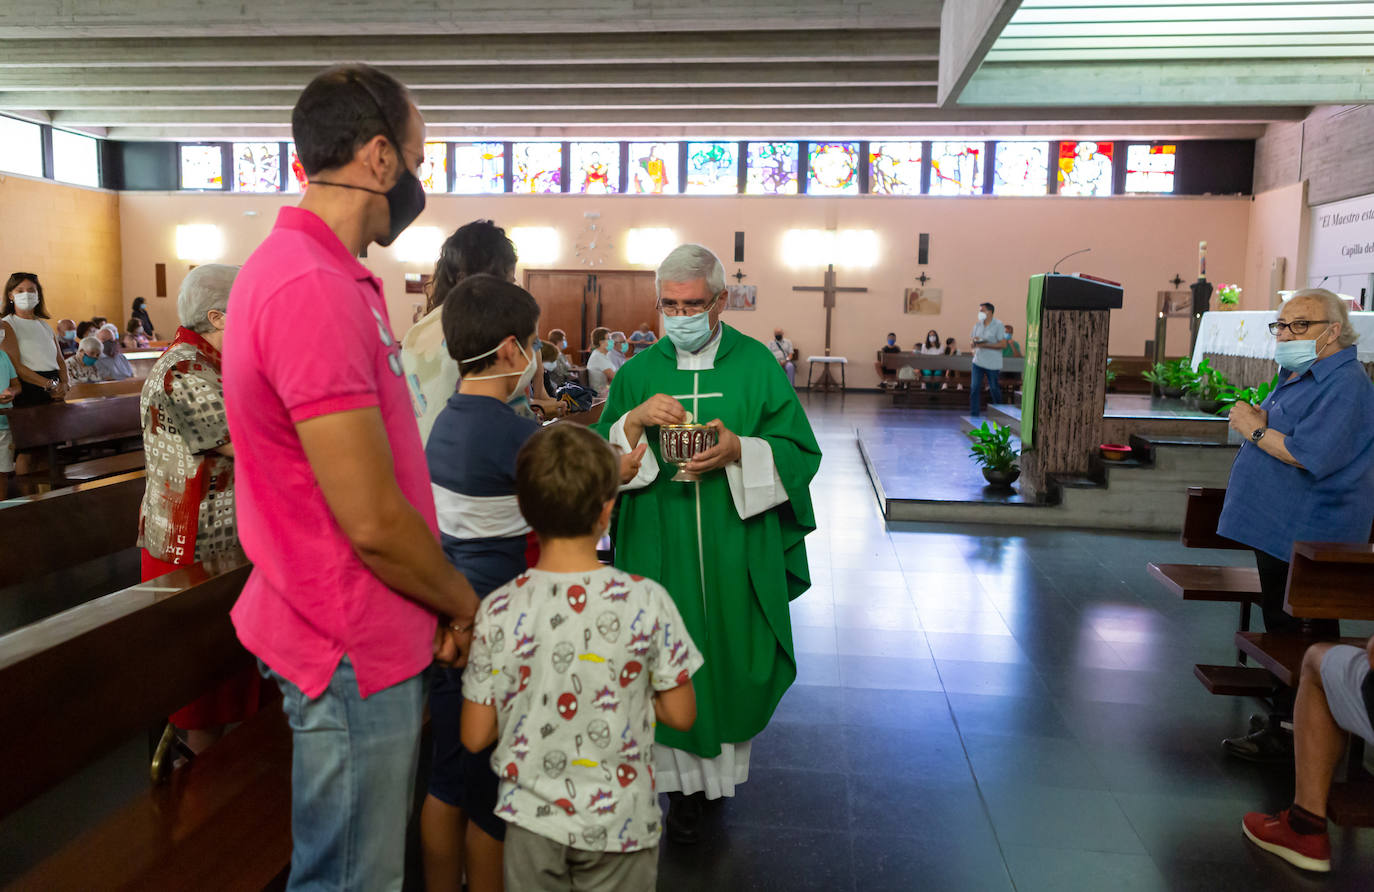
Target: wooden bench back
1331,580
80,420
1200,520
67,526
102,389
78,684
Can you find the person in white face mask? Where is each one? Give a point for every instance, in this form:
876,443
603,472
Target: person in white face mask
988,338
728,545
30,344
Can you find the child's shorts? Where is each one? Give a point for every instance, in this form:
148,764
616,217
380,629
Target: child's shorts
457,777
6,453
530,860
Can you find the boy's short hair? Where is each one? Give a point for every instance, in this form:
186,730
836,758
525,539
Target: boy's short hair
480,312
564,476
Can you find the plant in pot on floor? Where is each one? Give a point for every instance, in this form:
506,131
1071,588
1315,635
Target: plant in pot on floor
1209,388
1172,378
1230,395
993,451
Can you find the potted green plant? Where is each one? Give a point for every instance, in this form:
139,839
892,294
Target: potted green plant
1228,296
1111,376
1230,395
1172,378
1208,388
993,451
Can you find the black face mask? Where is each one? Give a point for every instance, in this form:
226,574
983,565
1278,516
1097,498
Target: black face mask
777,337
405,201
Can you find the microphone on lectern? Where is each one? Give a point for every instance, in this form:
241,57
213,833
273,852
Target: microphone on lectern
1066,257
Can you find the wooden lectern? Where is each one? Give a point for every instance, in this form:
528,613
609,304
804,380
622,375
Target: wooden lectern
1064,386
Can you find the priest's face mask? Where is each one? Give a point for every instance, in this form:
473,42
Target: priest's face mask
690,299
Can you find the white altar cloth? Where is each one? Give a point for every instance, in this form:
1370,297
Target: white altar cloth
1244,333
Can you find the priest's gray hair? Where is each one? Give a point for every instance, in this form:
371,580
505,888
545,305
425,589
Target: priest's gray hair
205,288
687,263
1335,311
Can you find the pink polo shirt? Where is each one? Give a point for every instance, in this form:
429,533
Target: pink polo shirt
308,336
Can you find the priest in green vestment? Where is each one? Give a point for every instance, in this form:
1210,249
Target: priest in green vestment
730,548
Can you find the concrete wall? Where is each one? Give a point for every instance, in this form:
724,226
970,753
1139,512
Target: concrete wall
68,236
1278,228
1329,150
982,248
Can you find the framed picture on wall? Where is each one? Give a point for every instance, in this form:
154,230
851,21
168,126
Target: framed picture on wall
923,301
1174,303
741,297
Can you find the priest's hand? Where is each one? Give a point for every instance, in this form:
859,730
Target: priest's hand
1246,419
657,410
718,456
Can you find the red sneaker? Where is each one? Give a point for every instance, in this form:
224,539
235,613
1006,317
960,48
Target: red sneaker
1273,834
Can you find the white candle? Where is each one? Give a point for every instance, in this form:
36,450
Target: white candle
1202,260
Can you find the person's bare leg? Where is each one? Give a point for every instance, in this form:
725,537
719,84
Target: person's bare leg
442,827
1318,742
483,860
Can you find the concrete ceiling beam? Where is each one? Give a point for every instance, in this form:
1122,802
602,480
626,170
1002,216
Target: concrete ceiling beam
886,45
588,77
803,119
1219,81
456,100
968,29
138,18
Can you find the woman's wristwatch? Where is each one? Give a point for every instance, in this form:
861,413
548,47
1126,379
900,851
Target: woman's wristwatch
52,386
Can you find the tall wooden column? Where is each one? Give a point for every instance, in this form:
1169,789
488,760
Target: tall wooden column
1070,379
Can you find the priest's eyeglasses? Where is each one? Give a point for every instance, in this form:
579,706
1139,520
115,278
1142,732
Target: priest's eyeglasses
685,308
1297,326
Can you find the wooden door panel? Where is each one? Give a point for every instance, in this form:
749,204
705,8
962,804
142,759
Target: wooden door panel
560,295
627,299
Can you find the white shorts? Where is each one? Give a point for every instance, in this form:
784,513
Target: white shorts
1344,669
6,453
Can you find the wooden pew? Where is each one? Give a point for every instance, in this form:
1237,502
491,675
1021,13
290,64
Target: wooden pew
102,389
79,684
1326,580
916,394
44,523
74,422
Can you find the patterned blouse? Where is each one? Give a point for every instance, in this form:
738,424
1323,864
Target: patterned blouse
188,507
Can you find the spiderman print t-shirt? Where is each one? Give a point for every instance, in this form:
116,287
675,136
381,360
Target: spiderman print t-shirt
571,662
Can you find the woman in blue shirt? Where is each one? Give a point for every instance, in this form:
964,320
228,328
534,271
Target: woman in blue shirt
1306,470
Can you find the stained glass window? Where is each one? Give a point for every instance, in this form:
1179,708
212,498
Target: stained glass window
1150,168
257,167
832,168
1021,168
479,168
295,177
202,167
538,167
894,168
75,158
1085,168
956,168
772,168
21,147
434,169
653,168
596,167
712,168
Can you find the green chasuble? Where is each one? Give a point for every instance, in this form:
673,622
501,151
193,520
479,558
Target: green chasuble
732,579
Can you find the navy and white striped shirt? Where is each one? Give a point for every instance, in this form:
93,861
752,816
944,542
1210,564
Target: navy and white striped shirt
471,453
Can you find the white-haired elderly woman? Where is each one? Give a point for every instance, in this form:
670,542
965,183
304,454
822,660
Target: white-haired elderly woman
82,366
188,506
1306,470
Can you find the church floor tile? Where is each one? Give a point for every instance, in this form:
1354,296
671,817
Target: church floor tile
1057,739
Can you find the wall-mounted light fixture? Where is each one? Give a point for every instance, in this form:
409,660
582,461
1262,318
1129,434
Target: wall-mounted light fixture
648,247
820,247
535,244
199,242
419,244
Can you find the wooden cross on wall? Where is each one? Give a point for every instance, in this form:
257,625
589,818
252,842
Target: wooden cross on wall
829,289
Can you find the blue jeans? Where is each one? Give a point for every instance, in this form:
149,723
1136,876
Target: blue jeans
353,765
976,387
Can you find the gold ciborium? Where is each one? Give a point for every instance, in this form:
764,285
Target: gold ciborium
680,443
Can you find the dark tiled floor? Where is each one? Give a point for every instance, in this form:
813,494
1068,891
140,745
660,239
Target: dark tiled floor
992,708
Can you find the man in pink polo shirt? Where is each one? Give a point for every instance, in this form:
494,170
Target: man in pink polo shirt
334,502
